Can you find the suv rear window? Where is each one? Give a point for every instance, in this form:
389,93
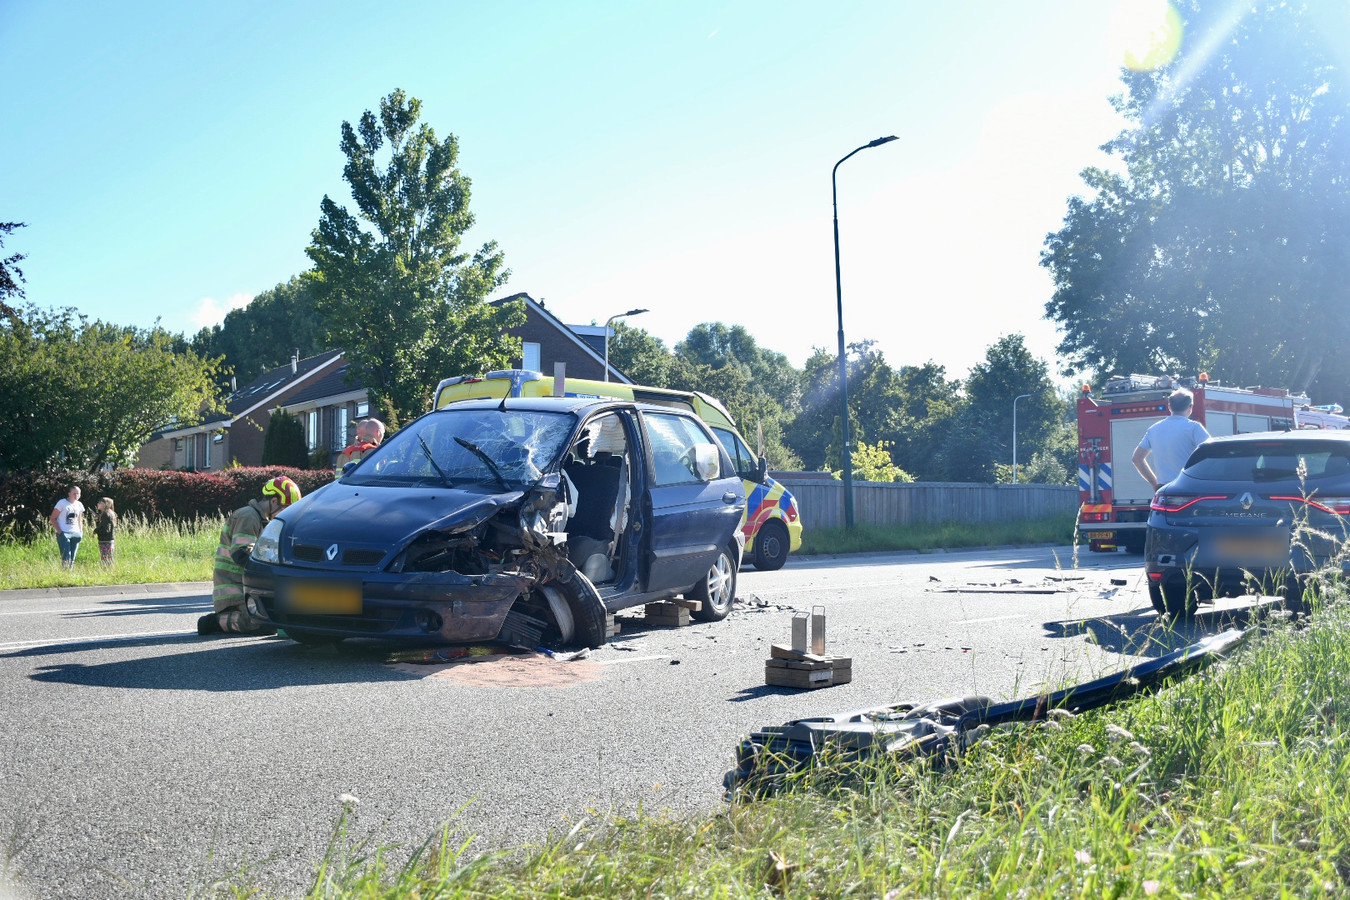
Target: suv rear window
1268,461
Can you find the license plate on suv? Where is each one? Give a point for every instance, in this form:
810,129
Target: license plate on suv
1253,550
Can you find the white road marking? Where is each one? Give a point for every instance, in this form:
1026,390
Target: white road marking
991,619
92,639
632,659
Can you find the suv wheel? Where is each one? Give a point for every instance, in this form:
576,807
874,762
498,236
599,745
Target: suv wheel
717,591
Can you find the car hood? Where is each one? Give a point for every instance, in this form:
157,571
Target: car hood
390,515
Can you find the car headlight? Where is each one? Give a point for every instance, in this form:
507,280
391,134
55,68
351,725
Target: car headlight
268,547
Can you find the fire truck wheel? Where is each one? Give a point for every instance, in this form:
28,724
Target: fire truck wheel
1133,543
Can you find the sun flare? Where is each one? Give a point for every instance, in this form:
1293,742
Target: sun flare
1148,33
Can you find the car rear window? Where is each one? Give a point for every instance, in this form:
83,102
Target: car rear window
1268,461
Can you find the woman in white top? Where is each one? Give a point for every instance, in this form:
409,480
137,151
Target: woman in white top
68,520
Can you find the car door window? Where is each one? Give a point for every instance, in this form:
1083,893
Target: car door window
673,441
742,460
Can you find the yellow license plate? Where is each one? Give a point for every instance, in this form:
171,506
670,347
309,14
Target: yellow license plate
326,598
1101,535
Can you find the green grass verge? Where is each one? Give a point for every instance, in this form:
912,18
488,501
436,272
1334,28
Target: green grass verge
1222,785
872,538
145,553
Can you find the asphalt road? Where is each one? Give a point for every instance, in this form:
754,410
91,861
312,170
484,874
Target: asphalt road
137,759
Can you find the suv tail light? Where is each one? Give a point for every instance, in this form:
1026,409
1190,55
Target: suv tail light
1339,506
1171,503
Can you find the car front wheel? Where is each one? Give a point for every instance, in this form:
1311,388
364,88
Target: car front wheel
771,546
717,591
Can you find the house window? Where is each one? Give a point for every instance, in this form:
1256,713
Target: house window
206,451
362,409
312,429
341,416
531,356
190,452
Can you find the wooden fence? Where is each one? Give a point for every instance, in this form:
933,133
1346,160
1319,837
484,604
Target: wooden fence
821,501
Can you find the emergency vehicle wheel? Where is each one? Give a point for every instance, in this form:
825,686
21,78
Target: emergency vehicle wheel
771,546
717,591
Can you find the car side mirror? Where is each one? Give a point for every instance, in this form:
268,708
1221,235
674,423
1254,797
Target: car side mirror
348,466
707,462
761,470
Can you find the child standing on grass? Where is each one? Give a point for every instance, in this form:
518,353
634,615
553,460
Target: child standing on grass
105,523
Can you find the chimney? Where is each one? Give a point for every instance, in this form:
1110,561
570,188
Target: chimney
295,360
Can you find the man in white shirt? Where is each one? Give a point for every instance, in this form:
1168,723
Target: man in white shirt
1168,443
68,520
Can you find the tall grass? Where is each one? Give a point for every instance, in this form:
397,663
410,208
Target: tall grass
145,552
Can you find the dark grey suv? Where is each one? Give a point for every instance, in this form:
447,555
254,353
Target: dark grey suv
1249,513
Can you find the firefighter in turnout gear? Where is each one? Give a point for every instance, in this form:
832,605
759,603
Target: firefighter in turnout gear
237,538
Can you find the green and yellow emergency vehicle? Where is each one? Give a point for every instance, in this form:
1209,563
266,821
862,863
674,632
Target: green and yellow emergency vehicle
772,524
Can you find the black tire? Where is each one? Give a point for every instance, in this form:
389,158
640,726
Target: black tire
717,591
588,610
1293,595
1179,598
1155,596
1133,543
771,546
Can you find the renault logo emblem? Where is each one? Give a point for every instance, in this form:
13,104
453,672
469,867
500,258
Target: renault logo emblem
333,548
1246,500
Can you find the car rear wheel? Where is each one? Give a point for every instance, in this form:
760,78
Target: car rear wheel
1293,595
1178,598
771,546
717,591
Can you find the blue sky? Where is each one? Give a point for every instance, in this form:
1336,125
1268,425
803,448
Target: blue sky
170,158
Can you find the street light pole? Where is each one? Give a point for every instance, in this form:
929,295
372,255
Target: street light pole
1015,399
631,312
843,359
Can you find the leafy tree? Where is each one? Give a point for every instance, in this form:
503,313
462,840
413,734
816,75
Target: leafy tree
875,401
994,384
759,386
642,357
263,334
391,282
872,462
76,393
11,276
1220,244
284,441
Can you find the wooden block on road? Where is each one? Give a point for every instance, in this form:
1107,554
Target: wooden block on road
785,651
666,614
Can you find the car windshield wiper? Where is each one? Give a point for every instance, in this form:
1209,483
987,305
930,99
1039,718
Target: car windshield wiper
445,479
478,452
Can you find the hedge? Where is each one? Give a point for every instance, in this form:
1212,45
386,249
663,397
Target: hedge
27,498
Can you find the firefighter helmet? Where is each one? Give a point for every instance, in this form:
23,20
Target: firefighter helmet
281,489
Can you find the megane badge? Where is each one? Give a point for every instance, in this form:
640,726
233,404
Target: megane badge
1246,500
333,548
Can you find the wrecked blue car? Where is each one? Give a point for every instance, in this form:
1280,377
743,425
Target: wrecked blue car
524,521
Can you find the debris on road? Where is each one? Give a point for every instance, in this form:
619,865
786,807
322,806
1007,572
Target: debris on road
766,758
795,666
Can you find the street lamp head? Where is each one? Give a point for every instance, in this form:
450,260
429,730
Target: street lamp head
883,140
634,312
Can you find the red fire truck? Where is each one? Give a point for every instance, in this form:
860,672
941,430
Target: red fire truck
1115,498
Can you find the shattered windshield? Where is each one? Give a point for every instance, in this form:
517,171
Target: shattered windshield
506,449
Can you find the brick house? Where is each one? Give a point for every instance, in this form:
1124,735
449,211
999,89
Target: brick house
315,391
545,340
311,389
